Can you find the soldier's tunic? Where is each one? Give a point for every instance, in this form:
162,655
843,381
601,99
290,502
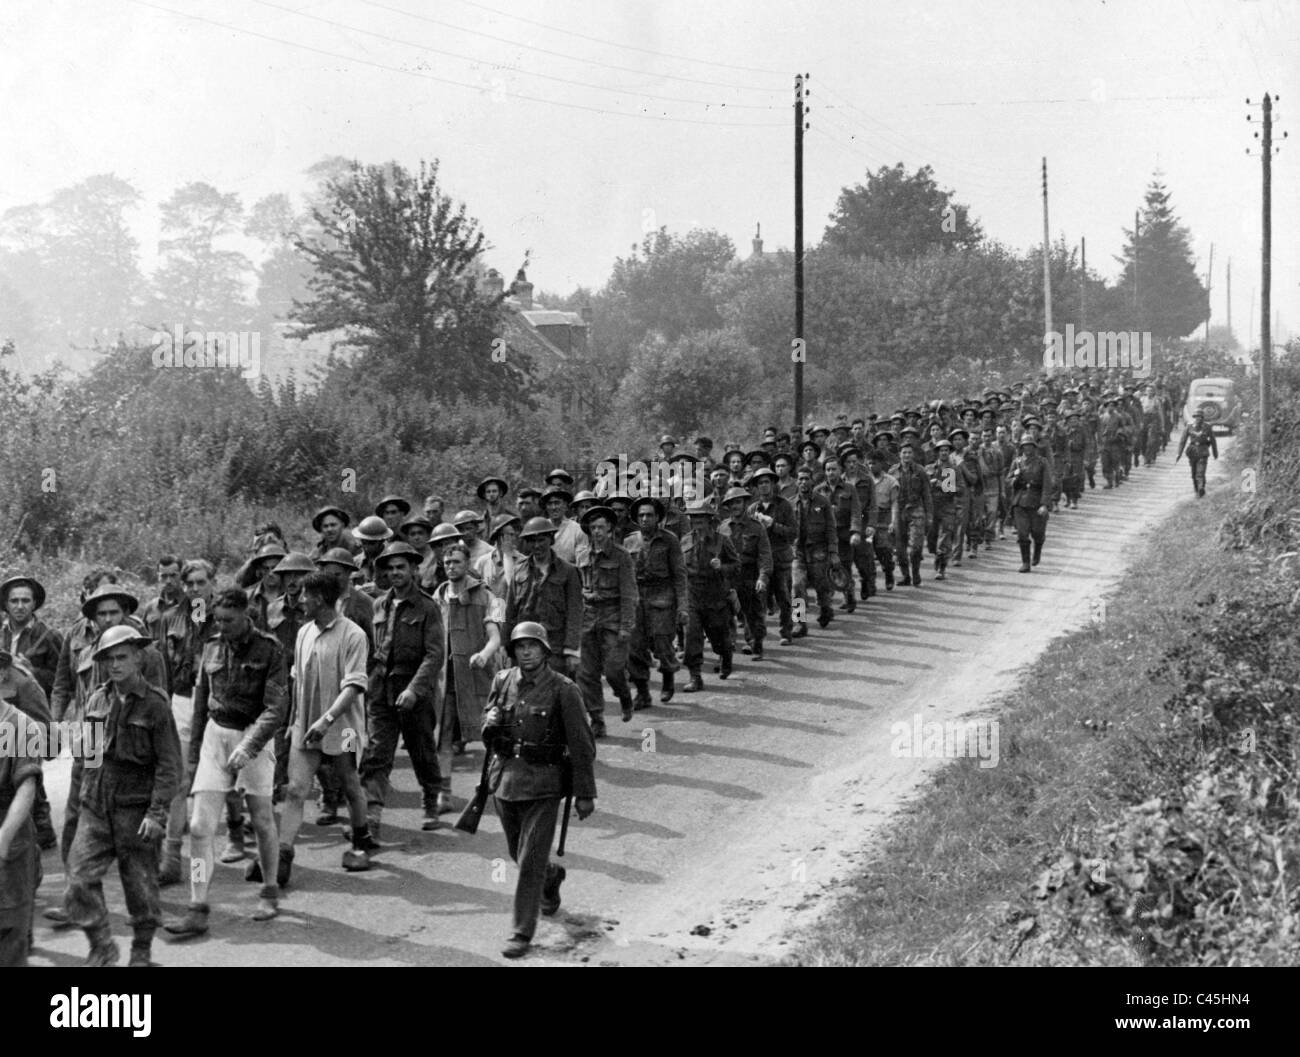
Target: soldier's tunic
884,507
914,506
39,643
551,596
815,542
709,592
609,594
1110,437
542,750
943,477
465,616
846,501
754,553
20,871
661,602
1030,480
138,776
780,535
1198,443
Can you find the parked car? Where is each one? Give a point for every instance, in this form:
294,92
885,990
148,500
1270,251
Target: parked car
1218,399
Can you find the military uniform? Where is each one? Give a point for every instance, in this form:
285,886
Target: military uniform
542,750
709,606
816,544
1198,442
661,606
410,644
139,776
846,501
943,477
20,870
609,594
914,512
39,643
1030,480
754,553
780,535
553,599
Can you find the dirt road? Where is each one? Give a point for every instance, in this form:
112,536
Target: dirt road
725,818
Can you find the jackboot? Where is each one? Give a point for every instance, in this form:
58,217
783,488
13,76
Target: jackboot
1024,556
1038,550
625,703
694,684
889,578
916,568
726,664
939,566
194,923
666,694
850,602
642,699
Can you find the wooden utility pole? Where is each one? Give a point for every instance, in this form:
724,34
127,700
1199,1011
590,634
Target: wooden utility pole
1047,265
1229,295
799,352
1209,286
1137,221
1265,278
1083,283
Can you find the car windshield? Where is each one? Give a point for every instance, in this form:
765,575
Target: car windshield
1210,391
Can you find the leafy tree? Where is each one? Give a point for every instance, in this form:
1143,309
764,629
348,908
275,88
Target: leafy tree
662,286
899,215
394,279
1171,301
198,284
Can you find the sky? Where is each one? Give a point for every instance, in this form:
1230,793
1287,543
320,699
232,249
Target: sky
570,128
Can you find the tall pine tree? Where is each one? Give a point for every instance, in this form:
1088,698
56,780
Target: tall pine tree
1171,302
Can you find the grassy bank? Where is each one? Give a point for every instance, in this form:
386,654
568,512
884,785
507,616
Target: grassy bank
1140,813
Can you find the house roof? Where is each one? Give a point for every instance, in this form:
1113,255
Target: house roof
521,334
549,317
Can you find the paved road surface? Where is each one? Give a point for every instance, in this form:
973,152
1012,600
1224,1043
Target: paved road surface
725,817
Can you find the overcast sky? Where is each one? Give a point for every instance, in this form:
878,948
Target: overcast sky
246,94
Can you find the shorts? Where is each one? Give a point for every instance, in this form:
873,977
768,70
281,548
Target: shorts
256,778
183,714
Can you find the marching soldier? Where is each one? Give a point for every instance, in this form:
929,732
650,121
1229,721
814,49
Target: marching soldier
1075,444
123,802
943,474
1198,441
914,513
542,751
1030,479
609,594
20,855
392,510
332,524
815,545
373,534
661,600
845,502
548,591
711,562
777,517
754,552
863,554
883,515
1110,438
992,469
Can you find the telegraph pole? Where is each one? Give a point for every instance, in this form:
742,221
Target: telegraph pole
1229,295
1265,277
1083,283
1209,286
1047,264
799,352
1137,221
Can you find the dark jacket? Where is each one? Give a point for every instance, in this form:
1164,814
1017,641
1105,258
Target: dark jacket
749,538
709,587
40,644
1030,480
609,590
410,647
781,533
242,686
815,520
142,753
554,602
660,571
534,726
846,502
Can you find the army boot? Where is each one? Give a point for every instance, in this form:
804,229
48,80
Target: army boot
669,688
642,700
939,565
889,577
904,577
1038,550
194,923
850,601
169,867
1024,556
103,949
695,683
726,664
916,568
141,950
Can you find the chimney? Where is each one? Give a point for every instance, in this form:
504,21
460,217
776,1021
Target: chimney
493,284
523,291
757,242
586,314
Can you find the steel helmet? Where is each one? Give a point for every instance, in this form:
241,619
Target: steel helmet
444,533
538,526
373,529
530,629
295,562
118,635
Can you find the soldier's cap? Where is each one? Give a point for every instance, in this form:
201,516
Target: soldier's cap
846,447
530,629
500,482
898,416
585,496
1027,438
658,505
444,532
619,497
682,456
760,455
914,412
556,492
666,439
119,635
729,447
398,549
840,576
501,521
911,431
562,474
129,602
38,591
338,556
537,526
705,442
373,529
760,474
805,445
736,493
395,500
883,433
1030,420
295,562
527,491
699,509
719,469
956,432
599,510
769,434
466,517
942,442
417,521
816,428
325,511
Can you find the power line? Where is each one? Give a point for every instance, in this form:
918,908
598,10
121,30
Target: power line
629,47
448,80
564,55
518,69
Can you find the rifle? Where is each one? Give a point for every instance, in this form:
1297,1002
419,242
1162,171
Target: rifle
568,806
469,818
